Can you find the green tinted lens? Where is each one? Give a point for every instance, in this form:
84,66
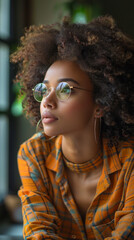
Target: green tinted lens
39,91
63,91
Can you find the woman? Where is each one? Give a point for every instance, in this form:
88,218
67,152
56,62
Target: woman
77,173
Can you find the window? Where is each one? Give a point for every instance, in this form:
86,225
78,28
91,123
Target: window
4,93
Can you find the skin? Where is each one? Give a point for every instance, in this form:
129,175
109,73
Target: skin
74,120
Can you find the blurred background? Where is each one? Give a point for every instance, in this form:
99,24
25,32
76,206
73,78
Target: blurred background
15,15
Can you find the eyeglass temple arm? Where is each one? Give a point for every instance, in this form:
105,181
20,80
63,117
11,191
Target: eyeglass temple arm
81,88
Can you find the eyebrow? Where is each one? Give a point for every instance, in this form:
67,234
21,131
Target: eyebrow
64,80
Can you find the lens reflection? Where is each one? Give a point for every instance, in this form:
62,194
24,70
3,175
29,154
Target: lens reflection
39,91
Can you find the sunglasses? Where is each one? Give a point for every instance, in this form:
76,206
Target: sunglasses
63,91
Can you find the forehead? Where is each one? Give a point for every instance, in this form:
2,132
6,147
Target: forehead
67,69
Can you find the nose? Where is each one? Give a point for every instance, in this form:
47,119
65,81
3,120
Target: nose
50,101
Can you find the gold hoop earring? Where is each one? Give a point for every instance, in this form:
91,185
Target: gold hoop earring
95,129
37,131
37,126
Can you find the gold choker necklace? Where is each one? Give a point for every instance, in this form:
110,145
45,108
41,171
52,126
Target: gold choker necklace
85,166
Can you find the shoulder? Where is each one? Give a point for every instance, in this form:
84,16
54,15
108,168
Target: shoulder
36,146
126,151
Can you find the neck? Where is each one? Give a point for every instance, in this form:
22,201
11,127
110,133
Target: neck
80,147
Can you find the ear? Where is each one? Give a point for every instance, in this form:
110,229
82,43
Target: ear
98,112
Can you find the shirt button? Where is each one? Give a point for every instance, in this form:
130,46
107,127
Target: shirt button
74,236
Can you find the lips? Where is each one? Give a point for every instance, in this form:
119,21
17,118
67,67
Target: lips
48,117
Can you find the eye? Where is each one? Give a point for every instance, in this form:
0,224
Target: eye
63,91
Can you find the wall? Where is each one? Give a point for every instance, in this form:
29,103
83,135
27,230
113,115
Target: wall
122,11
48,11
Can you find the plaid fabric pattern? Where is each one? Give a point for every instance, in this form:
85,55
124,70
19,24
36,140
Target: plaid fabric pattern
49,210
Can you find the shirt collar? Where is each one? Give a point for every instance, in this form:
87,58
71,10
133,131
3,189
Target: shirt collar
110,156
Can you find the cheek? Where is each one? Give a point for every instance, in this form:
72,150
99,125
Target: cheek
78,108
40,108
74,107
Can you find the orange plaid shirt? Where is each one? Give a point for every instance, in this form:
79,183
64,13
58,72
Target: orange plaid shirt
49,210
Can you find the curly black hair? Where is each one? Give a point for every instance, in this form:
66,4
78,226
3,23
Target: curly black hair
99,48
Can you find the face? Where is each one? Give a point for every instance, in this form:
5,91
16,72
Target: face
74,114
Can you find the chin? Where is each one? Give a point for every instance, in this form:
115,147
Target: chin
50,133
